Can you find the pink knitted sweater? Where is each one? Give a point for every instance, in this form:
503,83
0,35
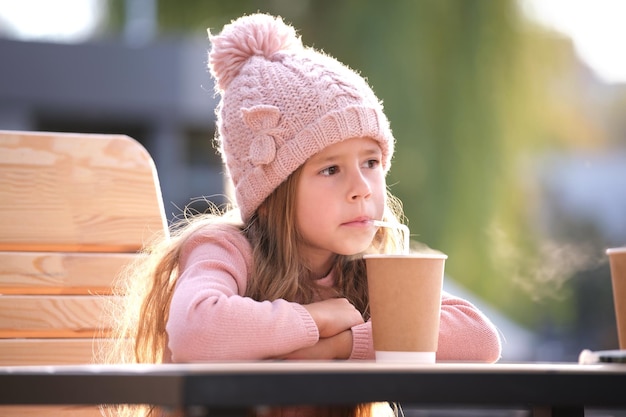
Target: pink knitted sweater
210,319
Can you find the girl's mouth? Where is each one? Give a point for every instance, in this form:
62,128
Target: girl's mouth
360,222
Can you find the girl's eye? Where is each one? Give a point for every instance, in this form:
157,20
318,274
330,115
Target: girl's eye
330,170
372,163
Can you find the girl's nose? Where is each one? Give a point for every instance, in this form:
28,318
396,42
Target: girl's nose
359,187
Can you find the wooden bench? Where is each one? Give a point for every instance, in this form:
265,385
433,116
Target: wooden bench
74,211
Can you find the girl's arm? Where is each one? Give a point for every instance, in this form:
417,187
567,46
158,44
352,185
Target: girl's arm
338,346
465,334
211,320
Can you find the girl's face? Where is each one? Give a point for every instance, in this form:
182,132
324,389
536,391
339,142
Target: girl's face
339,191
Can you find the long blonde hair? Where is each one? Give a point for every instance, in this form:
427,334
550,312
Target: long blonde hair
146,288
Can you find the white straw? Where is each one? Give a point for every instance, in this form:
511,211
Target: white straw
403,228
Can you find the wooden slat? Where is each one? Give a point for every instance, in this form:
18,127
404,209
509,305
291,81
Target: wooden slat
52,316
63,190
60,273
71,411
19,352
50,411
64,247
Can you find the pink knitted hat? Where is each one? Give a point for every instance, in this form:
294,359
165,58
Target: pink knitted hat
282,103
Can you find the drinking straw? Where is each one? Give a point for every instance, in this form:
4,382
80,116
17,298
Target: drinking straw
403,229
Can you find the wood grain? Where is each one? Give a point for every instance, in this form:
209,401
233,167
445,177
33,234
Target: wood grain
61,272
68,316
50,411
19,352
60,191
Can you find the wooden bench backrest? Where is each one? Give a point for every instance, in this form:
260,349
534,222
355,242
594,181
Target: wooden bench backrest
74,210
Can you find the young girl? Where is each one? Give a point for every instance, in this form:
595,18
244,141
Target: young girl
307,146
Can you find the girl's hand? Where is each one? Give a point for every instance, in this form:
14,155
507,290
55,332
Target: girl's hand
338,346
334,316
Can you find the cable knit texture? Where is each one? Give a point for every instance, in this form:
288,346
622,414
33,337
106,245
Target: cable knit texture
209,303
281,103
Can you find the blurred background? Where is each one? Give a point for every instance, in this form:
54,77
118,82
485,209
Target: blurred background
509,115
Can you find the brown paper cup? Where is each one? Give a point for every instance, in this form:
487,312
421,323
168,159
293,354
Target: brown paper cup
617,259
405,305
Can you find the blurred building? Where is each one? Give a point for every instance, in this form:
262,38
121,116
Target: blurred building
159,93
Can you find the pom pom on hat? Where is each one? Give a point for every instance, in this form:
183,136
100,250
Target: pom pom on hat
282,103
259,34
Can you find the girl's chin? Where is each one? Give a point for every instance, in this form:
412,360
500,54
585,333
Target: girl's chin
353,250
352,244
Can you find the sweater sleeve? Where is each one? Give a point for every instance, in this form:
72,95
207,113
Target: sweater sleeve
465,334
210,319
362,342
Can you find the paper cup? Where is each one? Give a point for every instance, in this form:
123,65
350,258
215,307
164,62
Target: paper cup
405,305
617,259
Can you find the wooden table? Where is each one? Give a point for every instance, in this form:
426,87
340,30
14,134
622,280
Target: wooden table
547,389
